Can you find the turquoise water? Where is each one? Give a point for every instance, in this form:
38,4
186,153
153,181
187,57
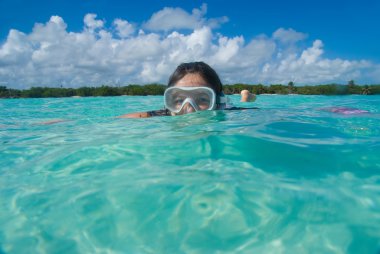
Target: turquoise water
292,177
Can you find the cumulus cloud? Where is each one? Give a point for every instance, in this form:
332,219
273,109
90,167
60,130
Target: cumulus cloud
91,22
177,18
309,66
288,35
124,28
50,55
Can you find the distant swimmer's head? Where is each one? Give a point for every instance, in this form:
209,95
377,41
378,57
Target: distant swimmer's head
194,87
246,96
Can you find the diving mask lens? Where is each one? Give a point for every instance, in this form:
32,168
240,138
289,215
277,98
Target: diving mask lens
200,98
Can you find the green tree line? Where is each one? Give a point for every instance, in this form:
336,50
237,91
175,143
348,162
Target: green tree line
158,89
45,92
328,89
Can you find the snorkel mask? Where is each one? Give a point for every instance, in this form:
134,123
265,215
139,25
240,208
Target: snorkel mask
200,98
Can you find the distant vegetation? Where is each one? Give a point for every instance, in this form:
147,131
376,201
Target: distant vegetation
158,89
329,89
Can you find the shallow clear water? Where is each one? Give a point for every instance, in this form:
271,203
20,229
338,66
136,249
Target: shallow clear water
292,177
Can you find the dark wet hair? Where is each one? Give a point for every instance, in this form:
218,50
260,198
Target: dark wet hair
201,68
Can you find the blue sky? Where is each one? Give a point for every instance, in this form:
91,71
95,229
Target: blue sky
245,41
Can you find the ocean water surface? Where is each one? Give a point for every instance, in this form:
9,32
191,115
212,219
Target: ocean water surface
299,175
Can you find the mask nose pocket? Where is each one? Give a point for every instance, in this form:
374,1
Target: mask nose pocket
188,108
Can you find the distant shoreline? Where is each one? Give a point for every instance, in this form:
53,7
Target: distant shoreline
159,89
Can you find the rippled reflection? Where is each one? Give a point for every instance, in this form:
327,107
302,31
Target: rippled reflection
288,178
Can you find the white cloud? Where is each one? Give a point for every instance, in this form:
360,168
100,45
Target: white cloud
288,36
91,22
312,54
16,50
124,28
169,19
51,55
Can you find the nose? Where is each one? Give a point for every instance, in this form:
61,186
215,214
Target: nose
188,108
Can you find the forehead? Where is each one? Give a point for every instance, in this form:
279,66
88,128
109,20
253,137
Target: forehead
192,80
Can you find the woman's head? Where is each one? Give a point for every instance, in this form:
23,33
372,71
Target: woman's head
193,87
196,74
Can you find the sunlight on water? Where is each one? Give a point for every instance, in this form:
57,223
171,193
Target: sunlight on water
291,177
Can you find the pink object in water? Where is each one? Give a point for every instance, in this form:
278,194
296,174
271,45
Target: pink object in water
346,111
